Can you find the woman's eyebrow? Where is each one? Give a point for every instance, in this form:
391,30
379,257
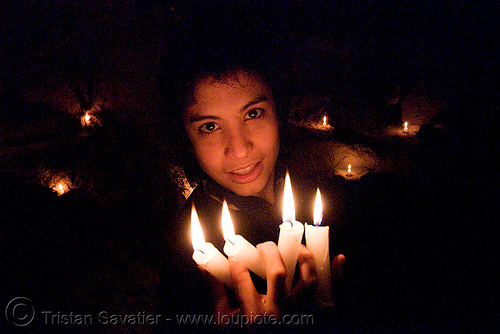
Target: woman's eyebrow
197,118
257,100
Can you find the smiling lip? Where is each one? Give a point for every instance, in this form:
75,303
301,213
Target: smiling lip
246,174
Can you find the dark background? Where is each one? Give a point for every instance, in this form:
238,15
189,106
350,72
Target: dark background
92,248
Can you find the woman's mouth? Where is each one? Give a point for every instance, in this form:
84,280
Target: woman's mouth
246,174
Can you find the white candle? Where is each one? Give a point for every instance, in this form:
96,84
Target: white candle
291,232
239,248
206,255
317,241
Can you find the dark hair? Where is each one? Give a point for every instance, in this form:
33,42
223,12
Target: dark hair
219,55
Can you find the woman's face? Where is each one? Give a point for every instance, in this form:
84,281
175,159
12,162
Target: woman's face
233,128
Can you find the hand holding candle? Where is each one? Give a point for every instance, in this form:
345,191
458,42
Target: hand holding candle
206,255
317,241
290,237
239,248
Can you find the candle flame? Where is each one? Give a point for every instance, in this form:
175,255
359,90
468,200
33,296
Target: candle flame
318,209
227,224
349,168
85,119
288,205
324,120
197,237
61,188
406,126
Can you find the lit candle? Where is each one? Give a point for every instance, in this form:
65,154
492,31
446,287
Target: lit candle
86,119
239,248
405,127
61,188
318,243
291,232
349,172
324,120
206,255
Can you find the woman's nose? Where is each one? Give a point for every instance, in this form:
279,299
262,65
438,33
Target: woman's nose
239,144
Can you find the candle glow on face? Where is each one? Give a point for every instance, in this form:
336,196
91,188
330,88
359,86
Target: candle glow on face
288,205
318,209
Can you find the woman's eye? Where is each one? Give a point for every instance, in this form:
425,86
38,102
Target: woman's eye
209,127
254,113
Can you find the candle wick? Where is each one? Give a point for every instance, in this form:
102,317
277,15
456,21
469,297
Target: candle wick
202,252
230,241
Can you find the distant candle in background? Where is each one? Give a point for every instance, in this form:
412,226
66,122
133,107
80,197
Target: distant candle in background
206,255
239,248
290,236
86,119
349,172
324,120
317,240
59,189
405,127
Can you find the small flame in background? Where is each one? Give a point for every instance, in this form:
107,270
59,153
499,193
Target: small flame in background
61,188
90,117
349,168
86,119
90,120
57,181
405,128
325,120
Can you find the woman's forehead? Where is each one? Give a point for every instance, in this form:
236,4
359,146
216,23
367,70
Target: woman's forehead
242,83
237,78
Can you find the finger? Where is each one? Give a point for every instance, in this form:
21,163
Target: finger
219,296
307,266
275,271
308,273
243,287
337,266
